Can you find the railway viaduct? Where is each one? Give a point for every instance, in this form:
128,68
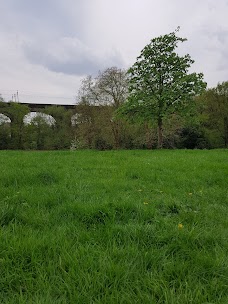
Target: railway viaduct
8,111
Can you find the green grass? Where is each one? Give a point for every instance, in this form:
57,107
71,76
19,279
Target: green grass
102,227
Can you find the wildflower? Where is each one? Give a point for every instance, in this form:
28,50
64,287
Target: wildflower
180,226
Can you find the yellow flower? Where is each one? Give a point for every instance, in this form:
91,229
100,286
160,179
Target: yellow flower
180,226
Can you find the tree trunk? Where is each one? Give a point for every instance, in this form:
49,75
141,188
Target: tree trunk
160,133
116,133
226,131
149,138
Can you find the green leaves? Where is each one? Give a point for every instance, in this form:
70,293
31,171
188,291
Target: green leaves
159,80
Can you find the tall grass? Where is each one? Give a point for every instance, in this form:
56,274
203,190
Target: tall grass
114,227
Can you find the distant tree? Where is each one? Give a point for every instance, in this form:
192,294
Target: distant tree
62,130
16,113
109,88
213,106
5,133
160,83
83,126
38,133
221,92
5,128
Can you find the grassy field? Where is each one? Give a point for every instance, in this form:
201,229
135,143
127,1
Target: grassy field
114,227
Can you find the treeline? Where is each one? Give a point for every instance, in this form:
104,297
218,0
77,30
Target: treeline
85,127
92,126
156,103
38,134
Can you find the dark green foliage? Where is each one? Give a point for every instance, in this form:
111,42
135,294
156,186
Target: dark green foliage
62,130
38,135
192,138
16,113
5,136
202,125
213,111
97,129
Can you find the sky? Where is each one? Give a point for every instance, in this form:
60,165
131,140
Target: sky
49,46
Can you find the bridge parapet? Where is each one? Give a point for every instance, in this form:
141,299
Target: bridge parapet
38,106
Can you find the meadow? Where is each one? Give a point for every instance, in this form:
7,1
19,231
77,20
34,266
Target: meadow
114,227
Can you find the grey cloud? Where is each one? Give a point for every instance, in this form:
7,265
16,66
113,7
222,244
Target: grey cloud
217,36
44,17
70,56
49,44
216,44
222,36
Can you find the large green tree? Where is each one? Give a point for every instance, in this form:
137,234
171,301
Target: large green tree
160,83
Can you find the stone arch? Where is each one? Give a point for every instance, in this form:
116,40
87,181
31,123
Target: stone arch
34,117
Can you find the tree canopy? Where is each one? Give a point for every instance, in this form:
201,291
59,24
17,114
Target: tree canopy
213,105
110,87
160,83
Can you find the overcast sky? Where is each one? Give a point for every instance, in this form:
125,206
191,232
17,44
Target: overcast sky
48,46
